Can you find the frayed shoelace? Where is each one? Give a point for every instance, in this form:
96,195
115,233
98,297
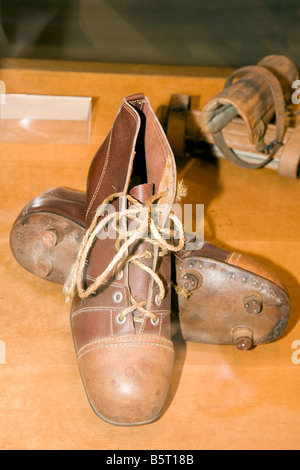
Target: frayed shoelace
147,229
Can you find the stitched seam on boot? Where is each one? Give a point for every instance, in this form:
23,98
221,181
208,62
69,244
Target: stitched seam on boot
102,174
131,112
237,259
94,309
133,339
127,345
233,255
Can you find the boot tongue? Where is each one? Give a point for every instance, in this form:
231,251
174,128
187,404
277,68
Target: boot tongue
139,279
142,192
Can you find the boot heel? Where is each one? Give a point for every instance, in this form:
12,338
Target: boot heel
46,244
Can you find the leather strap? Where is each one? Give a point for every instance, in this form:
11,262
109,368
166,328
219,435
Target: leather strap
289,163
279,105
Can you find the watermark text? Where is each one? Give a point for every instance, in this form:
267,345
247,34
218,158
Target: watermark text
2,352
117,223
296,94
296,354
2,92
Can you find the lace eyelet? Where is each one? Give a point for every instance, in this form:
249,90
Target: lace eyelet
155,322
121,322
119,276
158,302
118,297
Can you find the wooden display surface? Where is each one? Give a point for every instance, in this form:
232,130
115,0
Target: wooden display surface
220,398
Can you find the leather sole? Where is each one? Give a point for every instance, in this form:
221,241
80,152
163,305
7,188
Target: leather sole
229,305
46,244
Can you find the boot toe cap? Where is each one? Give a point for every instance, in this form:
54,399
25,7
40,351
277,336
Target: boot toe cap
127,378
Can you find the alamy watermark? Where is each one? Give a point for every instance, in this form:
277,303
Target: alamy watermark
296,353
296,94
114,223
2,352
2,92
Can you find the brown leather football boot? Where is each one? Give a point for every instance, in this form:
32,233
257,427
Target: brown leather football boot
120,283
223,297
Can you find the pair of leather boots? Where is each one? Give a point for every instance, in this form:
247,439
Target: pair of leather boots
126,263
